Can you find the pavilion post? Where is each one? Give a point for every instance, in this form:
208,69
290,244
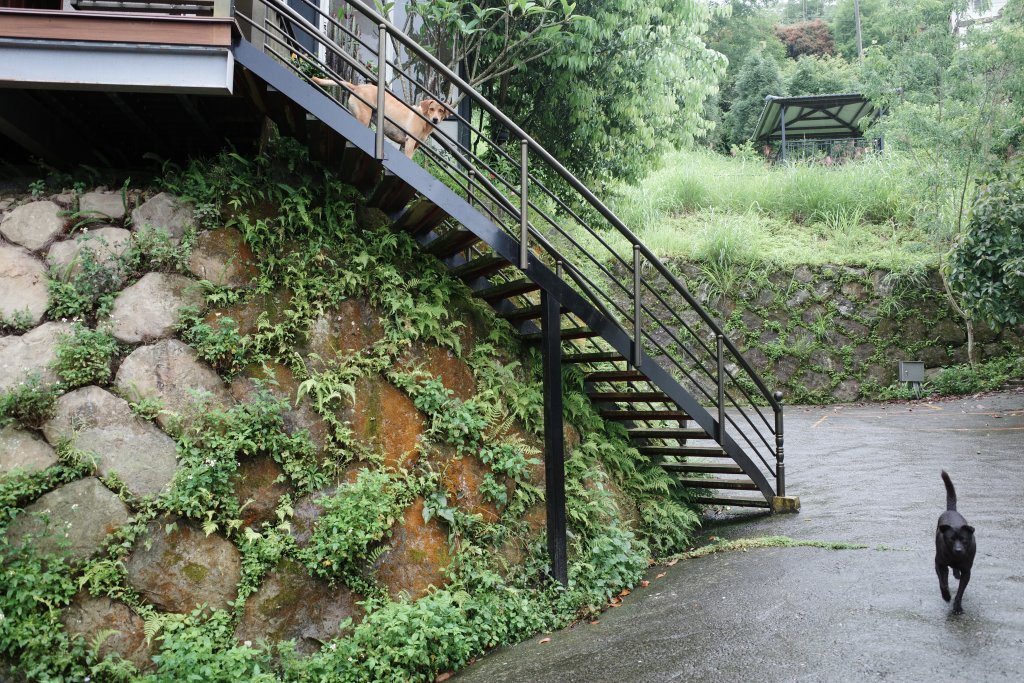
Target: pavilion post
782,120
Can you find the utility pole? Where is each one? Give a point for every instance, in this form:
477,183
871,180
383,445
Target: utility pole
856,22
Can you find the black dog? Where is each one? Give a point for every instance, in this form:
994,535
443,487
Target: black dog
954,547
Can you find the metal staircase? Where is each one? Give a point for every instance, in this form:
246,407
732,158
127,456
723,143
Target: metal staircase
532,241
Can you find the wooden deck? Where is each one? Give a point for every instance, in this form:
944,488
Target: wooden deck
111,87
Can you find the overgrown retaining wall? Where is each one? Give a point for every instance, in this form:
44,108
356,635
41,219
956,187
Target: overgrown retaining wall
835,333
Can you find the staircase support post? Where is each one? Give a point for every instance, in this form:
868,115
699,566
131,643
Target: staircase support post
554,442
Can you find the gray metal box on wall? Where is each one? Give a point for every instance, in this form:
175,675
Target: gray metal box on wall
912,371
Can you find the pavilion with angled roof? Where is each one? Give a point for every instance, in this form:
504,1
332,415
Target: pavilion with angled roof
826,127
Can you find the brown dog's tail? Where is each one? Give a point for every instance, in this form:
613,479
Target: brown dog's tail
950,492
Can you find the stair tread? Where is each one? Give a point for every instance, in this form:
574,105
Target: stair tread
701,468
391,194
736,502
683,452
616,376
644,415
523,313
668,433
630,396
480,267
421,217
451,243
721,484
567,334
507,290
593,357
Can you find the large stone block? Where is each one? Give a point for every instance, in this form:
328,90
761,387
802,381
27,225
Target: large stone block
80,514
22,284
94,420
33,225
148,310
105,244
386,420
417,555
165,213
181,569
292,605
32,353
171,373
108,204
90,617
223,258
23,451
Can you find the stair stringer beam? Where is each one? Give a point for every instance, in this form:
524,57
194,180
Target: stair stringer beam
344,124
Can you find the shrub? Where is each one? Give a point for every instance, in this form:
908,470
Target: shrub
85,356
29,404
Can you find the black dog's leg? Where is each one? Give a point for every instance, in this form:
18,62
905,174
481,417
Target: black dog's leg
943,572
965,577
956,573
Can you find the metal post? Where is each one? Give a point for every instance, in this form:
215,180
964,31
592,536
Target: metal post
782,120
721,391
554,443
780,470
636,306
524,207
382,37
469,186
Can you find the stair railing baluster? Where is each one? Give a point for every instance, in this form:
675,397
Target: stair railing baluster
636,306
721,389
382,36
780,468
524,206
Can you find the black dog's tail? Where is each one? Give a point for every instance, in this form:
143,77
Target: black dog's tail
950,492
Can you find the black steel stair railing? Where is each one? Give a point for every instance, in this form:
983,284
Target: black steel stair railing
568,226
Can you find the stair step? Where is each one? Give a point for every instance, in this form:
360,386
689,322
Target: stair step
732,502
568,333
644,415
701,468
480,267
616,376
506,290
629,396
522,313
421,217
683,451
722,484
391,194
451,243
358,169
668,433
596,357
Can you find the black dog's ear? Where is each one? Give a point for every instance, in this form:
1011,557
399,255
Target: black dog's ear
968,528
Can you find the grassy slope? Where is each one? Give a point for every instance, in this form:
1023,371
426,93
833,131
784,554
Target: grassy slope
703,206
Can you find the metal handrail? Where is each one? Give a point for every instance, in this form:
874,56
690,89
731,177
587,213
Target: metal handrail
468,171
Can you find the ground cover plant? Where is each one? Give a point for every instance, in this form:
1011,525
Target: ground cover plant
314,241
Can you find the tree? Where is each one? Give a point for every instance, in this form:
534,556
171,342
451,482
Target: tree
806,38
821,76
986,265
622,88
490,38
758,78
875,25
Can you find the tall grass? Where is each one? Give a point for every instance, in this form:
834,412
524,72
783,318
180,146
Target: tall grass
708,208
688,181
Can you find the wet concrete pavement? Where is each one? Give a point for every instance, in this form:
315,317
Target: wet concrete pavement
865,474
